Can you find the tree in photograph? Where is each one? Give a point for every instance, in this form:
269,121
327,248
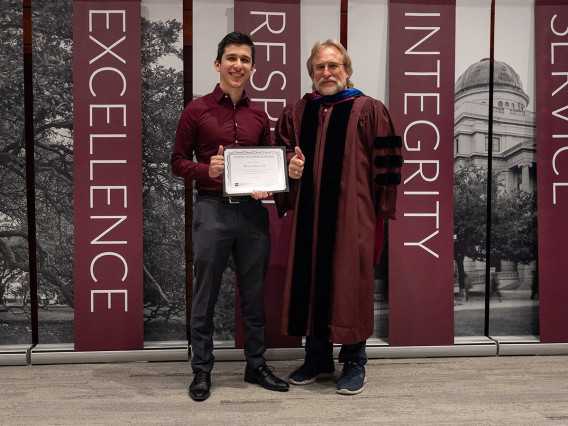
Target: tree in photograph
53,144
163,196
13,216
513,220
514,228
470,213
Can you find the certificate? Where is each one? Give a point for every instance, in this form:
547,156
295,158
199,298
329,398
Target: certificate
254,168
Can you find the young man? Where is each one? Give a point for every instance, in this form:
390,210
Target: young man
237,225
344,163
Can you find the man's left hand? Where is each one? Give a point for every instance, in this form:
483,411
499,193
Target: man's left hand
296,166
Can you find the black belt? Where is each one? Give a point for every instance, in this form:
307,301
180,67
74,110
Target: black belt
233,199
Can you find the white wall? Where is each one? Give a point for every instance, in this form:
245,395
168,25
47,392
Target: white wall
320,20
367,44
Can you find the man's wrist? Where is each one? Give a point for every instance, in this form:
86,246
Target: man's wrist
203,171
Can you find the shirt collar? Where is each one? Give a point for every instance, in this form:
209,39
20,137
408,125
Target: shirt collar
220,95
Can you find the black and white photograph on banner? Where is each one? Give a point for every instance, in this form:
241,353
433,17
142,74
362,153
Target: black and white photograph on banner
52,52
15,316
513,277
164,275
514,306
163,196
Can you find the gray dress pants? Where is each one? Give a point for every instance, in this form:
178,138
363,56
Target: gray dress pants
221,228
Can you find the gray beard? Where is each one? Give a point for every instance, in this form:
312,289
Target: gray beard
327,91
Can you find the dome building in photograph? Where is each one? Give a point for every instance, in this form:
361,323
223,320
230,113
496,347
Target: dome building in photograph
514,126
514,141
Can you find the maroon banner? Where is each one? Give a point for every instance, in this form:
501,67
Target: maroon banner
275,30
551,47
274,27
107,175
421,101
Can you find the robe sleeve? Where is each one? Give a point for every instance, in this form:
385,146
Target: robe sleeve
285,135
386,160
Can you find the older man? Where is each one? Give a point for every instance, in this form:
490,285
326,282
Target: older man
344,163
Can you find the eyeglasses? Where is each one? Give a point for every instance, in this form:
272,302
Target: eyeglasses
333,67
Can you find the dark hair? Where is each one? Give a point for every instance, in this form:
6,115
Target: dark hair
237,38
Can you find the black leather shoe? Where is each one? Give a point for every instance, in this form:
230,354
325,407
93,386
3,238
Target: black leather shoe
264,377
199,388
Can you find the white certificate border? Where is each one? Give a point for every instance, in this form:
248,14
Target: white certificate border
226,175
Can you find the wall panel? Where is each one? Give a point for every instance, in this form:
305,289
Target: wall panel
15,310
163,193
53,124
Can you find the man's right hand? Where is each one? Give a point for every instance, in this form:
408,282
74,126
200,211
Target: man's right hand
296,166
217,164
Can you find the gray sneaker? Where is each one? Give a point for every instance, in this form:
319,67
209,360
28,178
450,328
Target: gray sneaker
352,379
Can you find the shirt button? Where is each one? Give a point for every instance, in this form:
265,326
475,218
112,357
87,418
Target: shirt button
236,141
325,110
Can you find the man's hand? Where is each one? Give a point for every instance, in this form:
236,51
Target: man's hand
296,166
217,164
260,195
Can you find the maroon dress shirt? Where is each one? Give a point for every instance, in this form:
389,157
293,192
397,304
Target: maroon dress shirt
208,122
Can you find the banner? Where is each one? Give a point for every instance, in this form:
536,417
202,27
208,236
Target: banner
274,27
551,46
421,102
107,175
